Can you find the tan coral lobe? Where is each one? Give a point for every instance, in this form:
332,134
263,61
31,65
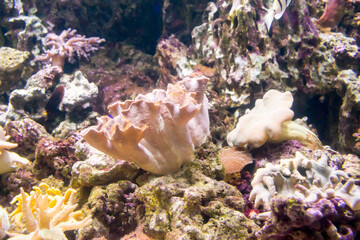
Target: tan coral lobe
159,130
270,121
263,121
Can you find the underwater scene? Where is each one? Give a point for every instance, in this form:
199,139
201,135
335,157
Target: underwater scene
179,119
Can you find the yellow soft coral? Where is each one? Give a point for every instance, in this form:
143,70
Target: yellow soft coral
46,213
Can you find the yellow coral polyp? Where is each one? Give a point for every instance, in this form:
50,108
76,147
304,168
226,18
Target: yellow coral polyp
52,203
44,185
54,191
68,194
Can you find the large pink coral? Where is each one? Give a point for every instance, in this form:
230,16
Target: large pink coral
159,130
66,44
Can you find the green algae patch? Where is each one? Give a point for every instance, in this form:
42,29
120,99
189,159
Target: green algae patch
12,59
192,205
14,67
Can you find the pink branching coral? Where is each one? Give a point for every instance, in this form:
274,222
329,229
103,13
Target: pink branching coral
159,130
66,45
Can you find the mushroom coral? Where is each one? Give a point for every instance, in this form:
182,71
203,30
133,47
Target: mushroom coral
46,216
9,160
270,120
157,131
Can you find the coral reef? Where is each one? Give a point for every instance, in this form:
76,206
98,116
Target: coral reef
48,214
174,77
137,234
308,196
294,56
33,101
242,181
349,110
158,131
344,50
349,193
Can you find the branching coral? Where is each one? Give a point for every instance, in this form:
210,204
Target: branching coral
9,160
270,120
47,216
66,45
298,177
159,130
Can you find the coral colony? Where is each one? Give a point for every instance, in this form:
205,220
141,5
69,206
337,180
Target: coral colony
66,45
156,127
270,120
47,216
201,120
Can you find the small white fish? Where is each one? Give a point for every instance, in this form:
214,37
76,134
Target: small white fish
276,12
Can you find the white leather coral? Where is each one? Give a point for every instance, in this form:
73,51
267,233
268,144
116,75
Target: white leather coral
270,120
9,160
157,131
